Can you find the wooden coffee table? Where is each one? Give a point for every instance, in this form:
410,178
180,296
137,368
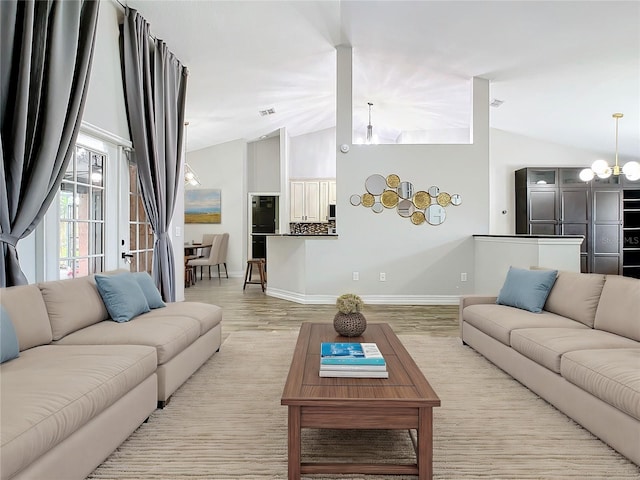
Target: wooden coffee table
405,400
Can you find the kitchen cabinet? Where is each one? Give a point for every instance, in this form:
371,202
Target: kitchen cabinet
554,201
305,201
310,200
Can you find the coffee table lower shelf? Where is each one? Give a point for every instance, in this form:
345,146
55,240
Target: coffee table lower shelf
395,418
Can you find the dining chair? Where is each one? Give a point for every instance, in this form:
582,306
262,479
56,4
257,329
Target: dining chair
217,255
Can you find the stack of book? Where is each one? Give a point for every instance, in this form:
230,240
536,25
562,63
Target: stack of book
355,360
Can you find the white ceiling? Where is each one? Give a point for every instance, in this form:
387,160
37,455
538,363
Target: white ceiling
561,68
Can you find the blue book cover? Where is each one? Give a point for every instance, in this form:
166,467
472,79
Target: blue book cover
350,354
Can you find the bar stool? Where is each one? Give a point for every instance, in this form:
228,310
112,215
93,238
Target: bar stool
260,264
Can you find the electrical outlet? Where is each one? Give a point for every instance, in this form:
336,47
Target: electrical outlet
463,277
383,277
356,276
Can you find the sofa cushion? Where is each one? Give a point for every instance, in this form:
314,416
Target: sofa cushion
575,296
151,293
169,335
72,304
498,321
619,307
526,289
546,346
51,391
611,375
28,313
207,315
122,296
9,348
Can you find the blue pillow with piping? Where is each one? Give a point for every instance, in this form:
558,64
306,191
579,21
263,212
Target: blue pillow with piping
151,293
9,347
527,289
122,296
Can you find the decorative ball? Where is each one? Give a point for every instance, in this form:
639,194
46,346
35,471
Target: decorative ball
349,324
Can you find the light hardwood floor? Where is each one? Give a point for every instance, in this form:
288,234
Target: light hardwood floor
253,310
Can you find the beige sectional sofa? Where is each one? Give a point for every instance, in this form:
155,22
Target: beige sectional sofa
83,383
581,353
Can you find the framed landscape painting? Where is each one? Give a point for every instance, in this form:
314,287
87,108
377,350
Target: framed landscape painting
202,205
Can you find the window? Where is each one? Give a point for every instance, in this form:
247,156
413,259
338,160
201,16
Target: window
81,208
140,233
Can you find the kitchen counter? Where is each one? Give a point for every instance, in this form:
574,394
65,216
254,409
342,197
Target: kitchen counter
323,235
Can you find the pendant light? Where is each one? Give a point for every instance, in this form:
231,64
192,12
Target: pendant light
369,139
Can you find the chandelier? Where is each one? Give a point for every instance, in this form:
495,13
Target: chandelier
601,168
190,177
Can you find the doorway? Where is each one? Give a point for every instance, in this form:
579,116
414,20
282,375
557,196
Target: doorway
264,221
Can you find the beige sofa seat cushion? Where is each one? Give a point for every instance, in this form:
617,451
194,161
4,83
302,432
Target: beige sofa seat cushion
28,313
546,346
611,375
619,307
72,304
498,321
207,315
168,335
575,296
51,391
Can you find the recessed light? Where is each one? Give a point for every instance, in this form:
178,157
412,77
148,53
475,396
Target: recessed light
268,111
262,137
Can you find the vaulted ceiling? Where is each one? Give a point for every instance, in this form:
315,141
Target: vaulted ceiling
561,68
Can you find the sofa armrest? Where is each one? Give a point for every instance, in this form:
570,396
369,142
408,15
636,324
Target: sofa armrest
467,300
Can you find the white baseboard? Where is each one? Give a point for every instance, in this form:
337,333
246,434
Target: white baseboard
368,299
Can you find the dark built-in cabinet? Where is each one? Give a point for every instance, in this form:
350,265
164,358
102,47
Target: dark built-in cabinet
631,232
554,201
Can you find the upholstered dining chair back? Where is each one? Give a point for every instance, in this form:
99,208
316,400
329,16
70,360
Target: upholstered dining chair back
207,239
217,255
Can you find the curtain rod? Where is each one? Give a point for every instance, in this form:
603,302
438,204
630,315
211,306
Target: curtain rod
123,8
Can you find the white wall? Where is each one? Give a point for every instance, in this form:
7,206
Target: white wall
223,166
313,155
510,152
263,165
105,106
419,260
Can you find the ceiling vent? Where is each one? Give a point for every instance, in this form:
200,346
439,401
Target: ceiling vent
268,111
495,103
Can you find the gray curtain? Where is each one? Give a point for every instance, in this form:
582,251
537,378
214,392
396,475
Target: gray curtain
155,91
46,49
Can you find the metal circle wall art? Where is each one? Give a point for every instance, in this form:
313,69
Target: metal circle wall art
368,200
417,218
393,180
418,206
375,184
389,198
444,199
421,200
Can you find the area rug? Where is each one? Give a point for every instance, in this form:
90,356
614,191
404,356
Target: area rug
226,422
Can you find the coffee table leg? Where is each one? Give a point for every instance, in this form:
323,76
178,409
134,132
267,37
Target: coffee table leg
294,442
425,444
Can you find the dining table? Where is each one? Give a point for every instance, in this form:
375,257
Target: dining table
190,253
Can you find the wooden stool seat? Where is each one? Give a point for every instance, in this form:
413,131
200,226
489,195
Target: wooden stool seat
260,264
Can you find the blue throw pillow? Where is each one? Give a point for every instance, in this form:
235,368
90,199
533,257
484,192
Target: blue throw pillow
154,299
122,296
527,289
9,347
